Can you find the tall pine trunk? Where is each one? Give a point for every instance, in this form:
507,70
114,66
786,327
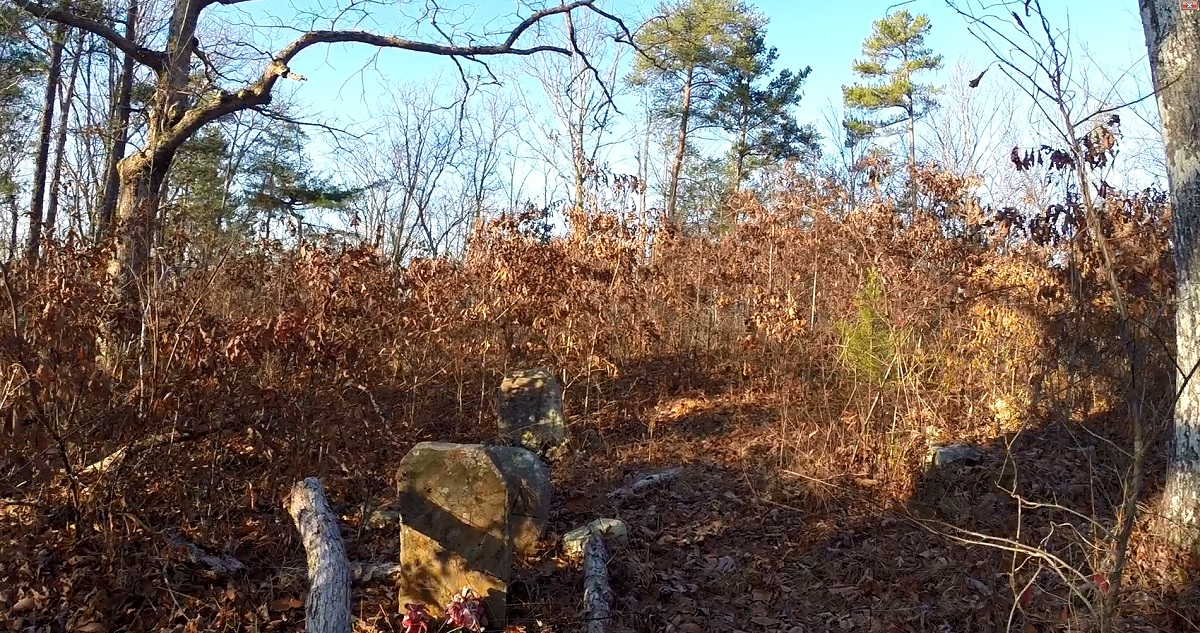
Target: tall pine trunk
1173,43
41,156
680,149
912,161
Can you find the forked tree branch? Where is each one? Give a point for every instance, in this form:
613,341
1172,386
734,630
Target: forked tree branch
221,103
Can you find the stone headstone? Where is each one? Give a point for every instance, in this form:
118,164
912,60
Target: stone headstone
530,408
465,509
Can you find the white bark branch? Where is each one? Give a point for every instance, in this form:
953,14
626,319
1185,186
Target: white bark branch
597,592
327,609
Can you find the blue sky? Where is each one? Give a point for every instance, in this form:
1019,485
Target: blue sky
344,81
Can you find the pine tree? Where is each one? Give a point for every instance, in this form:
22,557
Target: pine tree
280,181
759,118
894,52
682,56
201,207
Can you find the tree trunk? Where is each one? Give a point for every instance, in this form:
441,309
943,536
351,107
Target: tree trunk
327,609
60,141
644,171
41,155
578,130
680,149
1173,43
140,187
119,131
739,166
14,212
912,158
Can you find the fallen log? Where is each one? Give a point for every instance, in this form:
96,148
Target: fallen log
597,591
144,444
327,609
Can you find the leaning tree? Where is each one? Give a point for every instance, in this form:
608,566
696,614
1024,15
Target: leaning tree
177,109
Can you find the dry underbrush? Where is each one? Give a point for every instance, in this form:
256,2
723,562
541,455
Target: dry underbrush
803,362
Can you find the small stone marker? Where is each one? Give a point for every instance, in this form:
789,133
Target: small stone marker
954,454
465,509
530,407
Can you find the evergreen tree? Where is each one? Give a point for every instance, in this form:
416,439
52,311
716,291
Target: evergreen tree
201,200
759,118
682,56
280,182
894,52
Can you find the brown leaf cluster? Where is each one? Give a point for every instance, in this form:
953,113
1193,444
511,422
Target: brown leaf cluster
279,363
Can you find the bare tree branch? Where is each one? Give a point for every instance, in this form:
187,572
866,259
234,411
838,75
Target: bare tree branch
153,59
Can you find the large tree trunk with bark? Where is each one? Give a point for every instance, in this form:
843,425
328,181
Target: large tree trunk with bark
680,149
140,186
1173,43
41,157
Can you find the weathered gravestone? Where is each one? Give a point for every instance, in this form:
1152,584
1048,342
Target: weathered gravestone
465,509
530,408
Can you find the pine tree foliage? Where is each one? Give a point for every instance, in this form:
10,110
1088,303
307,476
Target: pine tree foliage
893,53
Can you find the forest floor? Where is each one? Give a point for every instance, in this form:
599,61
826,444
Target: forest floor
763,531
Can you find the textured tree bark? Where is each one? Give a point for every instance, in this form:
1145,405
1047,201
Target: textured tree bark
1173,44
597,592
327,609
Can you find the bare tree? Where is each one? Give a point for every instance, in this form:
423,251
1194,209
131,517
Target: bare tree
179,108
37,199
843,163
478,164
579,126
60,138
118,130
1173,42
971,132
430,172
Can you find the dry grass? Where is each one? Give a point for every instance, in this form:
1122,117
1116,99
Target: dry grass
801,395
